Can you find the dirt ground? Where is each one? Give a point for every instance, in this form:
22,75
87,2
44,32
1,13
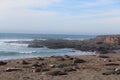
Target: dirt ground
101,67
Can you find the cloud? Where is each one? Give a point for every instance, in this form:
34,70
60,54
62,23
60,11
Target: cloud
6,4
97,3
59,15
18,8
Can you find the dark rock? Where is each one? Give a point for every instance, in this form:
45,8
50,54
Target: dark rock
112,64
117,71
56,73
24,62
76,60
114,72
51,66
39,58
37,65
104,44
12,69
40,70
108,73
3,63
66,56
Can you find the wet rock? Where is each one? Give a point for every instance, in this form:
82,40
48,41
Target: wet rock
55,73
12,69
3,63
76,60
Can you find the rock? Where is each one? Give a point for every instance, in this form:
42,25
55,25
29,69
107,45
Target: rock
51,66
37,65
39,58
40,70
55,73
3,63
112,64
104,44
69,69
24,62
117,71
108,73
107,60
12,69
66,56
76,60
114,72
100,55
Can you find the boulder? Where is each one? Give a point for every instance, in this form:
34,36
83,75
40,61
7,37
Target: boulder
3,63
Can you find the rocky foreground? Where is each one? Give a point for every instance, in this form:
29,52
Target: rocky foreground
99,67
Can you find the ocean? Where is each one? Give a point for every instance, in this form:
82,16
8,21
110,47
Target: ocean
17,51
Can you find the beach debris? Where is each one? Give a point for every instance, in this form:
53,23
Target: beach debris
3,63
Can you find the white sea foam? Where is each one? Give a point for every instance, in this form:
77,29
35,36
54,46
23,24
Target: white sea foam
74,39
17,52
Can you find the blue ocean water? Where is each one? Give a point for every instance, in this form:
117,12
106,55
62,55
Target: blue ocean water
15,50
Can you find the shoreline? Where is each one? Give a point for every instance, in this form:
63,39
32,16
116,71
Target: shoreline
86,67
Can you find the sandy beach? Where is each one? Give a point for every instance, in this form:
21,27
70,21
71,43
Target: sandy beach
101,67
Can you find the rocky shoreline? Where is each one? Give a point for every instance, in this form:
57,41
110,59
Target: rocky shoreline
99,67
102,44
105,65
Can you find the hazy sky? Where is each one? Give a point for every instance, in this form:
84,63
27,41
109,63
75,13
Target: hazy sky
60,16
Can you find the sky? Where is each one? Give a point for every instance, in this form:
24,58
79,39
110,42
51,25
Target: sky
60,16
